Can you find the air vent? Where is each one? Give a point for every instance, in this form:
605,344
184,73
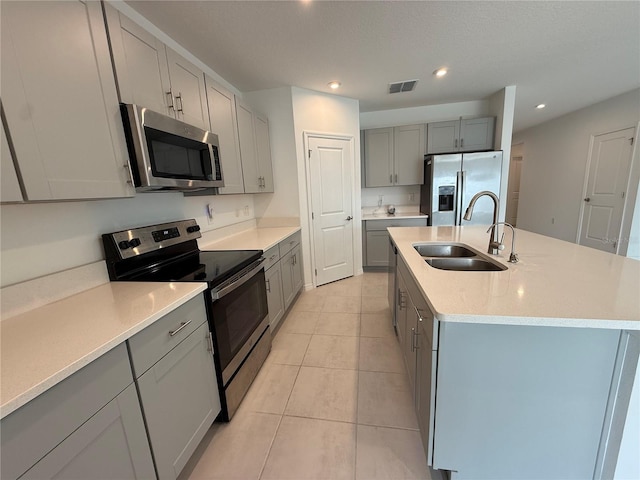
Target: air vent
406,86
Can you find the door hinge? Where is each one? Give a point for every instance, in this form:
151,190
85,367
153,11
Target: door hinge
309,153
210,342
316,272
631,140
313,217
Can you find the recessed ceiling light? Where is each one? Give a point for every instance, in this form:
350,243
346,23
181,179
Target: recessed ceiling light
441,72
334,85
540,106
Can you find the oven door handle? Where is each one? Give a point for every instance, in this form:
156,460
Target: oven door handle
216,295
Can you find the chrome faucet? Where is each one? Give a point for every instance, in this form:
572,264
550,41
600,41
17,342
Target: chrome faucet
513,256
494,243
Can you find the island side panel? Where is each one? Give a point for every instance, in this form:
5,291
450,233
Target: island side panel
521,401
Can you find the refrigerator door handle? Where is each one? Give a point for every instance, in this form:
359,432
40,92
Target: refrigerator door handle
458,199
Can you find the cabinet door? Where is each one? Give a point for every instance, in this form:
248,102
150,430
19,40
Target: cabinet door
246,136
442,137
297,269
425,378
111,444
477,134
263,152
377,253
401,309
409,149
10,186
288,292
60,101
409,342
275,301
179,396
223,122
140,61
378,157
189,93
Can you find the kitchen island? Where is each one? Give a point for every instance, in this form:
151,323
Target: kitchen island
532,366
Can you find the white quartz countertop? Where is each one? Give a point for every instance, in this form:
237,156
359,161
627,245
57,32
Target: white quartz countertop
387,216
43,346
252,239
555,283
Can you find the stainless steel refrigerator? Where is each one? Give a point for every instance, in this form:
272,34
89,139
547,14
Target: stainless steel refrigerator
451,180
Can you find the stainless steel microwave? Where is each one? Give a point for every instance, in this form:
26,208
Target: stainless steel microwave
167,154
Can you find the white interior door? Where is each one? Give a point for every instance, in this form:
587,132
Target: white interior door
609,164
331,173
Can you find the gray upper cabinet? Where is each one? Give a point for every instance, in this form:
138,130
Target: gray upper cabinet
60,101
394,155
463,135
152,75
223,121
10,187
255,149
378,157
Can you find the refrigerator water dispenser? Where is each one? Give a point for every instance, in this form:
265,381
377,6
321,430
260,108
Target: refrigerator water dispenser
446,196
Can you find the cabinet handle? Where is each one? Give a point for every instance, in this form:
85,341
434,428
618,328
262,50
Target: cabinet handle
461,142
210,342
456,143
391,178
272,257
182,325
401,303
295,259
396,178
413,336
170,93
268,286
179,96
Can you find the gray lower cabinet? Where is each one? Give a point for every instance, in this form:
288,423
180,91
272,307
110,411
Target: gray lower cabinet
291,275
376,238
275,300
417,334
87,426
178,393
111,444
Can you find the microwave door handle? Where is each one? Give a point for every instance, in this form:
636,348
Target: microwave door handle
216,295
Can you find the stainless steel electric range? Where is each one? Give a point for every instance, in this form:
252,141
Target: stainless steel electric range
236,297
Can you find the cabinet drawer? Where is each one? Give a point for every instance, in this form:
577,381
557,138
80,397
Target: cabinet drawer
36,428
271,257
288,243
155,341
396,222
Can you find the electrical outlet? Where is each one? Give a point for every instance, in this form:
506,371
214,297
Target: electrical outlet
553,220
412,197
246,210
209,212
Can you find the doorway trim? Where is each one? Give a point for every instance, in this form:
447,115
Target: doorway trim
631,190
357,217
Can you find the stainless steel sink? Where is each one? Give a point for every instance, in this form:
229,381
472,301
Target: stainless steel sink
461,264
443,250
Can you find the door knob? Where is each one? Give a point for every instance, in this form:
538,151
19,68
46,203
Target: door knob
587,199
349,218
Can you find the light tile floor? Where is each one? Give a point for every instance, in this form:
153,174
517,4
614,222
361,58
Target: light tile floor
331,402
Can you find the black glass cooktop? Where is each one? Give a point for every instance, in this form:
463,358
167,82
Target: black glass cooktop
213,267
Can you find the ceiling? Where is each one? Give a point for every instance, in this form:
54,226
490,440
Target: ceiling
566,54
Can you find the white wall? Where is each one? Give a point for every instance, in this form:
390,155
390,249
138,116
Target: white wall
324,113
424,114
502,105
277,105
42,238
555,164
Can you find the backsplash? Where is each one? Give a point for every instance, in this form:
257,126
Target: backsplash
404,195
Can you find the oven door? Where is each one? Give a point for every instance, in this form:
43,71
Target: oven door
238,319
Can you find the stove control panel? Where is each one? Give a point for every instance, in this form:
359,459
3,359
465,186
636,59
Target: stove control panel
138,241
